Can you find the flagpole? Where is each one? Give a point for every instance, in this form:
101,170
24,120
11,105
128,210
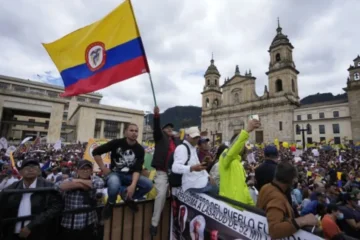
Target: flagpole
150,78
152,88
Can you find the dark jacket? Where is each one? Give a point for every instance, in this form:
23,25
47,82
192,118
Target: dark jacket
265,173
161,145
45,207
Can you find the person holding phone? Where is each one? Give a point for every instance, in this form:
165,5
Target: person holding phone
204,153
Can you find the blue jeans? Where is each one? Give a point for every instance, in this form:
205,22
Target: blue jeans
209,188
117,182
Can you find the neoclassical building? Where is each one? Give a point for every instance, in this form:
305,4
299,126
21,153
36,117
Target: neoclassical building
226,108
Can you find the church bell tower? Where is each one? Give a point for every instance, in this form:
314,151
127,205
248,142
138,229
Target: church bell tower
283,75
211,95
353,92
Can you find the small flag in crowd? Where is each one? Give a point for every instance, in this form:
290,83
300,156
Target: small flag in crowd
100,54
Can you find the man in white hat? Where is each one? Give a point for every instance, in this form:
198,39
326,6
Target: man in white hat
194,175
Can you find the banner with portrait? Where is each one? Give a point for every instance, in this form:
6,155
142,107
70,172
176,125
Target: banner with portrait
201,217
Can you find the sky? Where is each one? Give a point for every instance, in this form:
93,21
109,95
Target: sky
179,38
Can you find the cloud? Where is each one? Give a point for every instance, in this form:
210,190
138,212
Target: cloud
179,38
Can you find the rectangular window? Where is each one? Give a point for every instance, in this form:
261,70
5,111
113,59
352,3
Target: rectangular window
297,130
336,128
280,126
309,129
66,106
4,85
15,119
337,140
298,117
47,125
96,101
19,88
322,129
110,135
336,114
81,99
321,115
309,140
36,91
65,115
53,94
322,139
31,120
309,116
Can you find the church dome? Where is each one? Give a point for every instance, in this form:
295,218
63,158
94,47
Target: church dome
280,38
212,69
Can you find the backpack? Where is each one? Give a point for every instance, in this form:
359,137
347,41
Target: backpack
175,180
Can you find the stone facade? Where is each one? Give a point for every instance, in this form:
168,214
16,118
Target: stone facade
353,91
325,121
226,108
29,108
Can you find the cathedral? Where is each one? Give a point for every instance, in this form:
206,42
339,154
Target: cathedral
226,108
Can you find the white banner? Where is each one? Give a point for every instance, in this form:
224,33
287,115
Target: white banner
57,145
245,224
3,143
9,150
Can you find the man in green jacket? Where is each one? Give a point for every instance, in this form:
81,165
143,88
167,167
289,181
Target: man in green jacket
232,172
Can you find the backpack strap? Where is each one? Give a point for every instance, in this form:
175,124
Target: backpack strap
189,153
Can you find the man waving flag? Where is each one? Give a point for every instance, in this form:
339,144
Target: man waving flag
100,54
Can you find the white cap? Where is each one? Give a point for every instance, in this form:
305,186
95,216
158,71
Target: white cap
193,132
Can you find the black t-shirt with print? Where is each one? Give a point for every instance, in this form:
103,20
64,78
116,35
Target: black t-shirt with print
124,157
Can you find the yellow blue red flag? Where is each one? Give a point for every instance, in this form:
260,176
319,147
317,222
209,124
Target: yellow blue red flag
100,54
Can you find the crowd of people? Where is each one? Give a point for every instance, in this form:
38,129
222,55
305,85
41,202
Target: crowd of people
317,187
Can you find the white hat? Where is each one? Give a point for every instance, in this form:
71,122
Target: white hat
193,132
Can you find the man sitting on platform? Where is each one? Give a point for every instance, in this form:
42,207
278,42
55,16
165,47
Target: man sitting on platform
127,158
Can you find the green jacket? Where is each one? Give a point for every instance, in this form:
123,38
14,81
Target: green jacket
232,173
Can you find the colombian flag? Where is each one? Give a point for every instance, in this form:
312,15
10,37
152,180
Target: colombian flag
100,54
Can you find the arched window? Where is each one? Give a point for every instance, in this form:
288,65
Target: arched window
308,129
277,57
356,76
236,98
216,103
278,85
207,104
297,129
293,85
215,81
219,126
208,82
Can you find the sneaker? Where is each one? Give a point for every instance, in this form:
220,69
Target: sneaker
153,231
107,211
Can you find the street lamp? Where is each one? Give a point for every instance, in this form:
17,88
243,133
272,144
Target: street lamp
302,130
147,113
213,137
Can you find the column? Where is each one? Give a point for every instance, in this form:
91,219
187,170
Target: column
55,123
122,130
102,129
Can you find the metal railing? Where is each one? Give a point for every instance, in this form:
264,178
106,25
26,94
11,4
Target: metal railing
124,224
